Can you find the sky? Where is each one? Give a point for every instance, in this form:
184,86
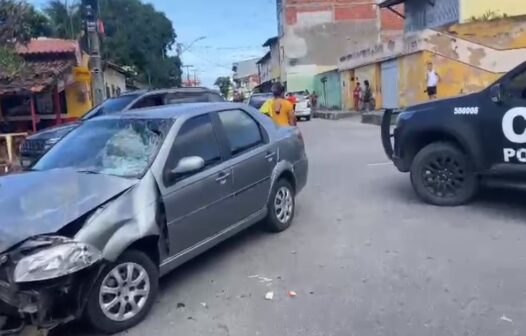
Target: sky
234,30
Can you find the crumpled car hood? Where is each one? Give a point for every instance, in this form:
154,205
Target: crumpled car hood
43,202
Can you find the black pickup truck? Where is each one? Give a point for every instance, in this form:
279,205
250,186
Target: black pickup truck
449,145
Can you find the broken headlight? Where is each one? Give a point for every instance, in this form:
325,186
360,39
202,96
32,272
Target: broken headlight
56,261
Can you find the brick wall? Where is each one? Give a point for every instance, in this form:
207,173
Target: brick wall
343,10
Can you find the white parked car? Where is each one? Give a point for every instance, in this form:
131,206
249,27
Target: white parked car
303,107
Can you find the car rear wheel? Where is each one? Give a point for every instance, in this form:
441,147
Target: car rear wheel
281,207
124,293
442,175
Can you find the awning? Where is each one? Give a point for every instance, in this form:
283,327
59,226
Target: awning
389,3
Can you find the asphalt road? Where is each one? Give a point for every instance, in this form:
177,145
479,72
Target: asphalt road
364,256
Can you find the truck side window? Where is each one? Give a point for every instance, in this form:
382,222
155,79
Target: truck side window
517,86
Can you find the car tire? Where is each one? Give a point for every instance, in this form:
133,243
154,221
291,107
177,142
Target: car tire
307,118
281,207
108,321
441,174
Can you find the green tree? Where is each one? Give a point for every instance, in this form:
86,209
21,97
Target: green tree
65,18
224,84
19,22
138,35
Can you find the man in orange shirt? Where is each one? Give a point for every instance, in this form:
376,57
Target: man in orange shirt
279,108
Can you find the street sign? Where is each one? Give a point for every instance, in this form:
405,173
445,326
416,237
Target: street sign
81,74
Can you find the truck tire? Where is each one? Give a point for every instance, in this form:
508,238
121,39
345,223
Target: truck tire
442,175
134,276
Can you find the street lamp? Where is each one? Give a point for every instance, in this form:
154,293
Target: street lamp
180,46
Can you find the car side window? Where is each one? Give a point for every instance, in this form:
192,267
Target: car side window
517,86
241,130
149,101
195,138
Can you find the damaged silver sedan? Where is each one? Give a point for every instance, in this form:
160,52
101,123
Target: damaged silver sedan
123,200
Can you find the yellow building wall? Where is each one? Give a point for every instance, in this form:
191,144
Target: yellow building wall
372,73
500,34
78,95
411,84
78,99
477,8
347,76
456,78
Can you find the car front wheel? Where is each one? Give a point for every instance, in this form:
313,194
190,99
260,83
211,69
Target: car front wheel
443,175
123,294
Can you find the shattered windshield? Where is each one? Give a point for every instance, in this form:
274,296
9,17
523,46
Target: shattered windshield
122,147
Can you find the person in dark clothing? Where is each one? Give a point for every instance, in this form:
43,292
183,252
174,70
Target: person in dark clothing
367,96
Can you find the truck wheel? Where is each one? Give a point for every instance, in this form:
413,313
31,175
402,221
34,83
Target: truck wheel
124,293
442,175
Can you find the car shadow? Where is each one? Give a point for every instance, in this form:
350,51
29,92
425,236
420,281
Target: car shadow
509,200
491,198
188,270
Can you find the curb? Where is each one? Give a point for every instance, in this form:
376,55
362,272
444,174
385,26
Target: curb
334,115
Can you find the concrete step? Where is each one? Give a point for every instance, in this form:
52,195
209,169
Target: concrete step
373,118
334,115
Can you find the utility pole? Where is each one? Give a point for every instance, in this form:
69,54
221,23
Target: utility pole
195,77
188,73
90,11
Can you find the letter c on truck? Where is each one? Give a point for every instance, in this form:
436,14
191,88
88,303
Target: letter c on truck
507,125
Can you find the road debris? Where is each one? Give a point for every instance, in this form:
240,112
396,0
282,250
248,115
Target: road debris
292,294
204,305
261,278
180,305
506,319
294,252
269,296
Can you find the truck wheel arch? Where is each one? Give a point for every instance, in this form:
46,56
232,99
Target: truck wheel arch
420,140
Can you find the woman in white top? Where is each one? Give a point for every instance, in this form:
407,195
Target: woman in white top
432,81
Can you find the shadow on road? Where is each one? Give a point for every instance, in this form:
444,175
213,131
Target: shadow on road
170,282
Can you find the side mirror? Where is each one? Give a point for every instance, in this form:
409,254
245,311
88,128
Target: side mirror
188,164
496,93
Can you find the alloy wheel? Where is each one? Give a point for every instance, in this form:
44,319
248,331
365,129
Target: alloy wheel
284,205
124,291
443,176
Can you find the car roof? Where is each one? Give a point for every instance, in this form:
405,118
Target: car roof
173,111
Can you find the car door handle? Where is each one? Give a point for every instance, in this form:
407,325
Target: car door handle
270,156
221,179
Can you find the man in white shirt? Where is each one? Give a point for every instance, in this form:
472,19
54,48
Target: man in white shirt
432,79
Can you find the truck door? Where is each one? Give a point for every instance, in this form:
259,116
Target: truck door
507,134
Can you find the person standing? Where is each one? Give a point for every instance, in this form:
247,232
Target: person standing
313,100
356,94
292,99
367,96
278,108
432,79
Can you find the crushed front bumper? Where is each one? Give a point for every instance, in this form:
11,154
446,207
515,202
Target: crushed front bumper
46,304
